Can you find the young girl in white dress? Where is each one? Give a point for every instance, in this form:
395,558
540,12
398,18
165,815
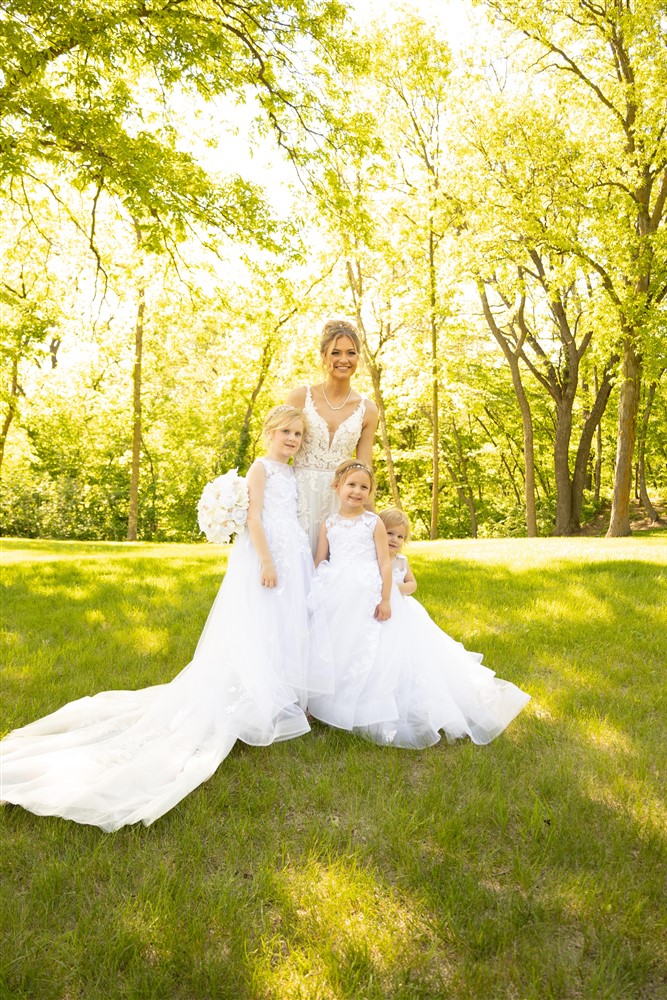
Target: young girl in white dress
124,756
398,678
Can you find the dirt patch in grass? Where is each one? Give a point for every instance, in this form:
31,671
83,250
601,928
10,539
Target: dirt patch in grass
639,520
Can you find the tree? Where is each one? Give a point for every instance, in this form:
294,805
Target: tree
133,512
413,71
609,59
372,346
641,455
76,76
511,340
23,328
29,332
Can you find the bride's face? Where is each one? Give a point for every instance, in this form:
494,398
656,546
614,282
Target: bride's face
341,359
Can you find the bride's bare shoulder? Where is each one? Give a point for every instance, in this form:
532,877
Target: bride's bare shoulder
297,397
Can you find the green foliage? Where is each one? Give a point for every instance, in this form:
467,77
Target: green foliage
75,77
420,172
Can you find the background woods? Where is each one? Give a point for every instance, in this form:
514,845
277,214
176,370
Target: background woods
189,190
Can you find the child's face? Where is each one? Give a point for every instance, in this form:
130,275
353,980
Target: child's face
395,538
286,441
355,491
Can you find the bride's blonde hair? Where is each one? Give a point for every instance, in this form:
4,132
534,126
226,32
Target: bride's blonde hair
335,328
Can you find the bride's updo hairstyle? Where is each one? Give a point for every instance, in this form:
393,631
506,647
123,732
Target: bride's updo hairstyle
283,416
348,466
335,328
392,517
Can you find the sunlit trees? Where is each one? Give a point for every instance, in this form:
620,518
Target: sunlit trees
86,102
88,90
494,223
611,71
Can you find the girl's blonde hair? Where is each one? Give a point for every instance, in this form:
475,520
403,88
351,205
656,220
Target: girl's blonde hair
348,466
392,516
283,416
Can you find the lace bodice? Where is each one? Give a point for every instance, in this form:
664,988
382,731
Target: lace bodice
351,539
318,451
279,492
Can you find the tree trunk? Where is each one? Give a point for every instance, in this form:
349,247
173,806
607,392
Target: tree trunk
133,516
384,434
152,517
598,451
356,287
435,407
240,460
11,408
528,451
526,416
619,522
593,421
465,494
562,465
641,460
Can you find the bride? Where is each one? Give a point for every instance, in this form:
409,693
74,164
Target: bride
341,424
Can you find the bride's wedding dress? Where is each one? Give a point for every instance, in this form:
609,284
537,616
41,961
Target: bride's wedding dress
121,757
316,461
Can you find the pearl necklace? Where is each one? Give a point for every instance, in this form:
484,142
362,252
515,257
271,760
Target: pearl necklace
331,407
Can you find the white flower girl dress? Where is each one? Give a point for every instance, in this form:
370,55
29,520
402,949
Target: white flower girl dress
404,681
121,757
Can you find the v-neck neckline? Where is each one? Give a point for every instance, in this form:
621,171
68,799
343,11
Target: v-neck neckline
332,437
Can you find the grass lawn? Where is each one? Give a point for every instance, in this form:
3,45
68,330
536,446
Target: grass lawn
326,867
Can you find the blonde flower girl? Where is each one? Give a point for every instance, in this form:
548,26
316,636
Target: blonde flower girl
121,757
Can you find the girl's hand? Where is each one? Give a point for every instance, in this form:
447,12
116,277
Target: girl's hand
383,611
267,574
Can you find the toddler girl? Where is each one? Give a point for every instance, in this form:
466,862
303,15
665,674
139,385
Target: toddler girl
124,756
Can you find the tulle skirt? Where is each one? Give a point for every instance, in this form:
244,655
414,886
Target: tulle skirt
403,682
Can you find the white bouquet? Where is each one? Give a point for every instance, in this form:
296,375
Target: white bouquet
223,507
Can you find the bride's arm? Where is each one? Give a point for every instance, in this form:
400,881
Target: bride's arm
365,443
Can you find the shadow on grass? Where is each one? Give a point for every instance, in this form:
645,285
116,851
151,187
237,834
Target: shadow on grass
597,627
330,868
69,631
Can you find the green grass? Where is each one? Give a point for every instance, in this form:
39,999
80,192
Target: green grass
326,867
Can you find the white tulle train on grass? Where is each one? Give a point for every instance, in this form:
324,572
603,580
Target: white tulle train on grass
121,757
